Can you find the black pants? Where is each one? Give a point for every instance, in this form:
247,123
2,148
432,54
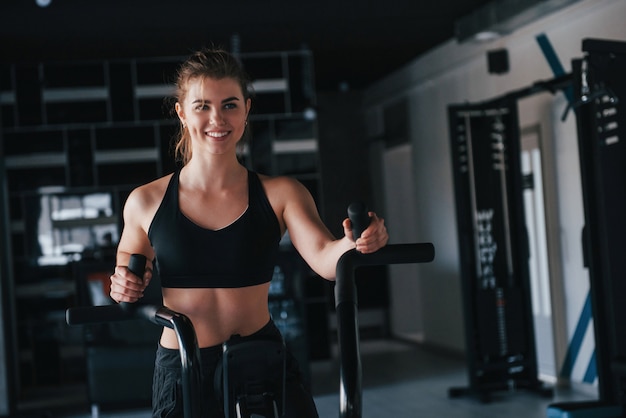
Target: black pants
167,387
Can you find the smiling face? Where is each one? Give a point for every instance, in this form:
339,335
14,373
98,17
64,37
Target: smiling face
214,111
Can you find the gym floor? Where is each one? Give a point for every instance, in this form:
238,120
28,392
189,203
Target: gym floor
401,379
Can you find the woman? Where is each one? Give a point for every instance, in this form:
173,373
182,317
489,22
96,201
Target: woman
213,229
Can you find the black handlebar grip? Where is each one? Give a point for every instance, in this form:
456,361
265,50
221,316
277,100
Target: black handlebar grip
357,212
137,266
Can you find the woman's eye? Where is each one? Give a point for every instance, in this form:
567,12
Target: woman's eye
230,106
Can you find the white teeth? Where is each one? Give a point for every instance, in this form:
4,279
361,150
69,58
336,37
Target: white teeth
217,134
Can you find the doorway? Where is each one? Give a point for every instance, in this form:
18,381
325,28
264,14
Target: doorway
538,242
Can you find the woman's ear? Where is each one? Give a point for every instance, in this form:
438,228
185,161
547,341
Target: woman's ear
179,112
248,105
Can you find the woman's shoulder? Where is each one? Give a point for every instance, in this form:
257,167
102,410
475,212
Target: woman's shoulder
150,194
281,184
284,191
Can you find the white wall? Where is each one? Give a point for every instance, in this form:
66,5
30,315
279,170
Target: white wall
457,73
406,316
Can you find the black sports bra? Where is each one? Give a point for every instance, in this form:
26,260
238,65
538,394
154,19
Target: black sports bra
241,254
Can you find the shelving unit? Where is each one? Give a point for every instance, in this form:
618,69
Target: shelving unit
103,126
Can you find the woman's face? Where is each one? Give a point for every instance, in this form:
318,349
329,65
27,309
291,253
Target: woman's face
215,112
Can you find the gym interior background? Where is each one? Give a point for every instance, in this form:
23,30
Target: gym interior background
83,121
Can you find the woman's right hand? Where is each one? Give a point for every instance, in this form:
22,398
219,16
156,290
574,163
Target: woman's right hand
126,286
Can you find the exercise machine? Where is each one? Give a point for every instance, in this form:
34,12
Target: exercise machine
254,371
493,248
599,95
252,377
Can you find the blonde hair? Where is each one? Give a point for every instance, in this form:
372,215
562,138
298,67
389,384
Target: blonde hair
206,63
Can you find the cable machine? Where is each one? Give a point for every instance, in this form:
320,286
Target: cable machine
599,96
493,244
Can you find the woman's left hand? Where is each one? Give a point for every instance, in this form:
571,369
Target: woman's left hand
373,238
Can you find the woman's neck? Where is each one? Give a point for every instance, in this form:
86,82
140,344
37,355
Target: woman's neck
218,173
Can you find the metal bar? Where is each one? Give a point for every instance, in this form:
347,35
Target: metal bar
350,401
159,315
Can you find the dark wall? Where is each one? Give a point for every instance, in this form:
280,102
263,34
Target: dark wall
346,177
344,156
7,347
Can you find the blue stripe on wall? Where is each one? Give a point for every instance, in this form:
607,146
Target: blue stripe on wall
591,373
585,316
554,63
577,340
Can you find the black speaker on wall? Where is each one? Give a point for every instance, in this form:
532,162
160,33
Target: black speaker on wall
498,61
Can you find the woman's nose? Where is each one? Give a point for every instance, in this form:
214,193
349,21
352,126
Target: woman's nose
217,118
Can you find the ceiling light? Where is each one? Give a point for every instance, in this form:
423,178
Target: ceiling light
486,35
43,3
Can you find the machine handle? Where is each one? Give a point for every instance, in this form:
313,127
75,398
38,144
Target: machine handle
360,219
123,311
350,391
137,266
160,315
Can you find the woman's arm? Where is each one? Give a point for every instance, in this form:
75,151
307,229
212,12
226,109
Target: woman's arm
125,286
317,246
